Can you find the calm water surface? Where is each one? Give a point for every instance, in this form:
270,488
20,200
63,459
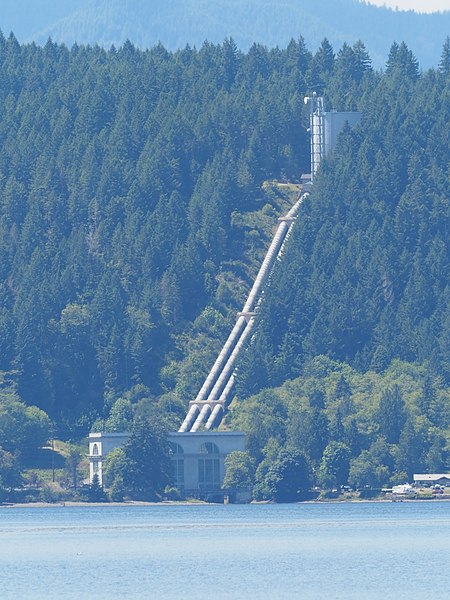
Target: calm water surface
311,551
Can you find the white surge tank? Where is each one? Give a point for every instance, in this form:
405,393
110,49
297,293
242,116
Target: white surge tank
334,122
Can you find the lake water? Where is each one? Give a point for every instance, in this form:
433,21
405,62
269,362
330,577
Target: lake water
311,551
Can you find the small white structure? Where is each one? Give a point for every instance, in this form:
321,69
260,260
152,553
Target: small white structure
403,490
430,479
100,445
198,458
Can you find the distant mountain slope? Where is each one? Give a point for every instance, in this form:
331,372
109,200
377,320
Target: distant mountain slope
272,22
26,18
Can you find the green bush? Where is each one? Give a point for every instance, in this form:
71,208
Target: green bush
52,492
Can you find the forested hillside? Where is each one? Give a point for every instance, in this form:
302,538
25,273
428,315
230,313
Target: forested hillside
135,207
128,181
364,281
180,22
364,429
366,276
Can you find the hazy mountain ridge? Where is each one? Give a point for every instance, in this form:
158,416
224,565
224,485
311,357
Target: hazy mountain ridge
271,22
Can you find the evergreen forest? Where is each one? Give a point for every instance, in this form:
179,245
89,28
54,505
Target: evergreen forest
270,22
138,192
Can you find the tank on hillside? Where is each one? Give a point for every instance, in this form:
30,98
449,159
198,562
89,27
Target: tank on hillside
324,129
334,122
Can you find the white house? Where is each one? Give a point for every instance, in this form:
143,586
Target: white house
198,458
431,479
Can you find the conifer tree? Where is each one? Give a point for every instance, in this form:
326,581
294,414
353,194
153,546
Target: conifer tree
391,414
444,63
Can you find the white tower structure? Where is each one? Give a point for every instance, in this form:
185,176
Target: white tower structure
317,131
324,128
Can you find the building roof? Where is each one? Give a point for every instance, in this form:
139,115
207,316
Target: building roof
103,434
430,476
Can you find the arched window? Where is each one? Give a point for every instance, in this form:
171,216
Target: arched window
209,448
175,449
95,449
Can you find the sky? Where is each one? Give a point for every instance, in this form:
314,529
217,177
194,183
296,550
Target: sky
417,5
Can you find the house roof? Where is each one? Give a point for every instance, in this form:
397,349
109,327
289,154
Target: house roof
430,476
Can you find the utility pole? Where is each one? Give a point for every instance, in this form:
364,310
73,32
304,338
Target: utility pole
52,431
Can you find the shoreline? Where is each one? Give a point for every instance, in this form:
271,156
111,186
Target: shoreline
74,503
138,503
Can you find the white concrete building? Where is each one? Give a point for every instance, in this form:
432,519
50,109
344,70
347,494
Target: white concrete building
198,458
100,445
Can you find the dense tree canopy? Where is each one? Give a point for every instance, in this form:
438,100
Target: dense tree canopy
180,22
10,477
142,468
136,201
239,471
367,429
120,175
365,276
23,428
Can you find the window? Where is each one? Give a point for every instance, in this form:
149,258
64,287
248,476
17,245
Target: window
175,449
178,472
95,449
176,453
95,467
209,448
208,473
209,468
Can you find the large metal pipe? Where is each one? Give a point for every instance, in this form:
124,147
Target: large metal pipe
221,359
192,413
206,409
265,267
271,254
227,371
213,416
221,374
277,246
249,305
226,392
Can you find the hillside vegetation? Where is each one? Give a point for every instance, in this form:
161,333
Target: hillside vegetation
364,429
365,276
125,176
137,197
